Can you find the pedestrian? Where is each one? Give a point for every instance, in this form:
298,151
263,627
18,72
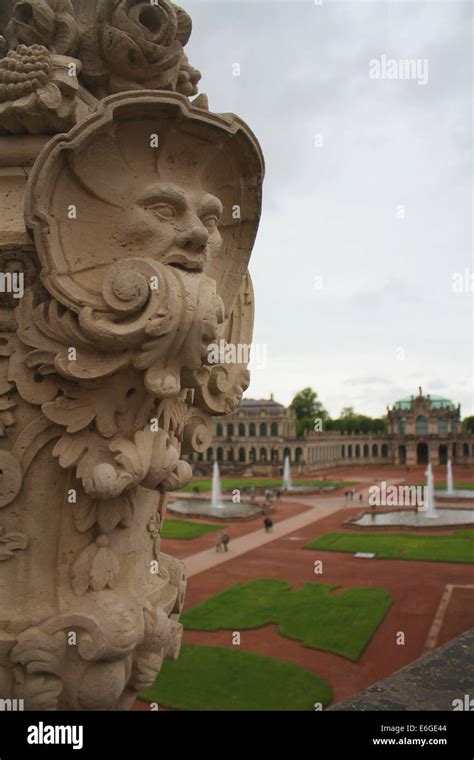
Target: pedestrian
360,496
347,495
278,495
353,492
219,542
225,541
268,523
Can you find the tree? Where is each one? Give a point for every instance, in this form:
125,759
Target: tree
468,425
308,408
348,411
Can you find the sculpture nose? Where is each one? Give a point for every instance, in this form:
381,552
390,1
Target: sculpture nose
195,239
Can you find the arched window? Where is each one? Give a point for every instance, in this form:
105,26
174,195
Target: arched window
253,455
200,457
298,455
454,425
366,450
241,429
209,455
263,429
274,428
230,430
401,426
384,450
241,455
375,450
230,455
442,425
357,451
465,449
263,455
274,456
287,453
343,452
252,429
220,454
219,430
421,427
349,451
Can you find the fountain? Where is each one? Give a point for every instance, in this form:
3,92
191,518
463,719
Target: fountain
429,505
287,473
449,483
216,495
216,506
451,491
288,483
427,516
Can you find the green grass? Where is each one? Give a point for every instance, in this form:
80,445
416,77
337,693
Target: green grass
222,678
458,547
186,530
459,486
229,484
342,623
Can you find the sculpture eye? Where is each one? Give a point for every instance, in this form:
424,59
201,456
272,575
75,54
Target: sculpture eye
165,210
210,222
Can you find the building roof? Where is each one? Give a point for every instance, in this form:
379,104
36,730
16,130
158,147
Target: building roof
436,402
260,403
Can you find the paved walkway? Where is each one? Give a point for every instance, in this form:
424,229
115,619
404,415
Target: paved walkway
321,507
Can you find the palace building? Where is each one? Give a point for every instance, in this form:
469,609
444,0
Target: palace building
259,434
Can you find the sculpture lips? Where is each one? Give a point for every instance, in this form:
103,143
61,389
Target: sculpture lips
183,260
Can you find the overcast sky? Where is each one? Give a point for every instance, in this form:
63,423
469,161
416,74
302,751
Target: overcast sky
367,209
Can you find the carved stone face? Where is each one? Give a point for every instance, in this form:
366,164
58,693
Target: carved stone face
175,226
171,205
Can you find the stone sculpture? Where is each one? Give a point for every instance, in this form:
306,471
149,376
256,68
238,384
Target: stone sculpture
124,246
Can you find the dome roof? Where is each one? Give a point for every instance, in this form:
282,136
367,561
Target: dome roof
261,405
436,402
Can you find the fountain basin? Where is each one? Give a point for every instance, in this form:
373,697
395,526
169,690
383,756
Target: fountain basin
226,510
410,518
456,493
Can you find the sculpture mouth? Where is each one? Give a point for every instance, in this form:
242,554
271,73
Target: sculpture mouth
193,263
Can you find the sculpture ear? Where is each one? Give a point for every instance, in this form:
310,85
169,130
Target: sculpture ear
185,25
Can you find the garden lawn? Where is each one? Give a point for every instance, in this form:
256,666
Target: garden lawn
342,623
458,547
229,484
186,530
456,486
221,678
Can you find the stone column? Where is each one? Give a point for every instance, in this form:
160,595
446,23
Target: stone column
123,263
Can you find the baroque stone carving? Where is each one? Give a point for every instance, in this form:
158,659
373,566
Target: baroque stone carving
52,68
136,44
39,93
44,22
141,220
